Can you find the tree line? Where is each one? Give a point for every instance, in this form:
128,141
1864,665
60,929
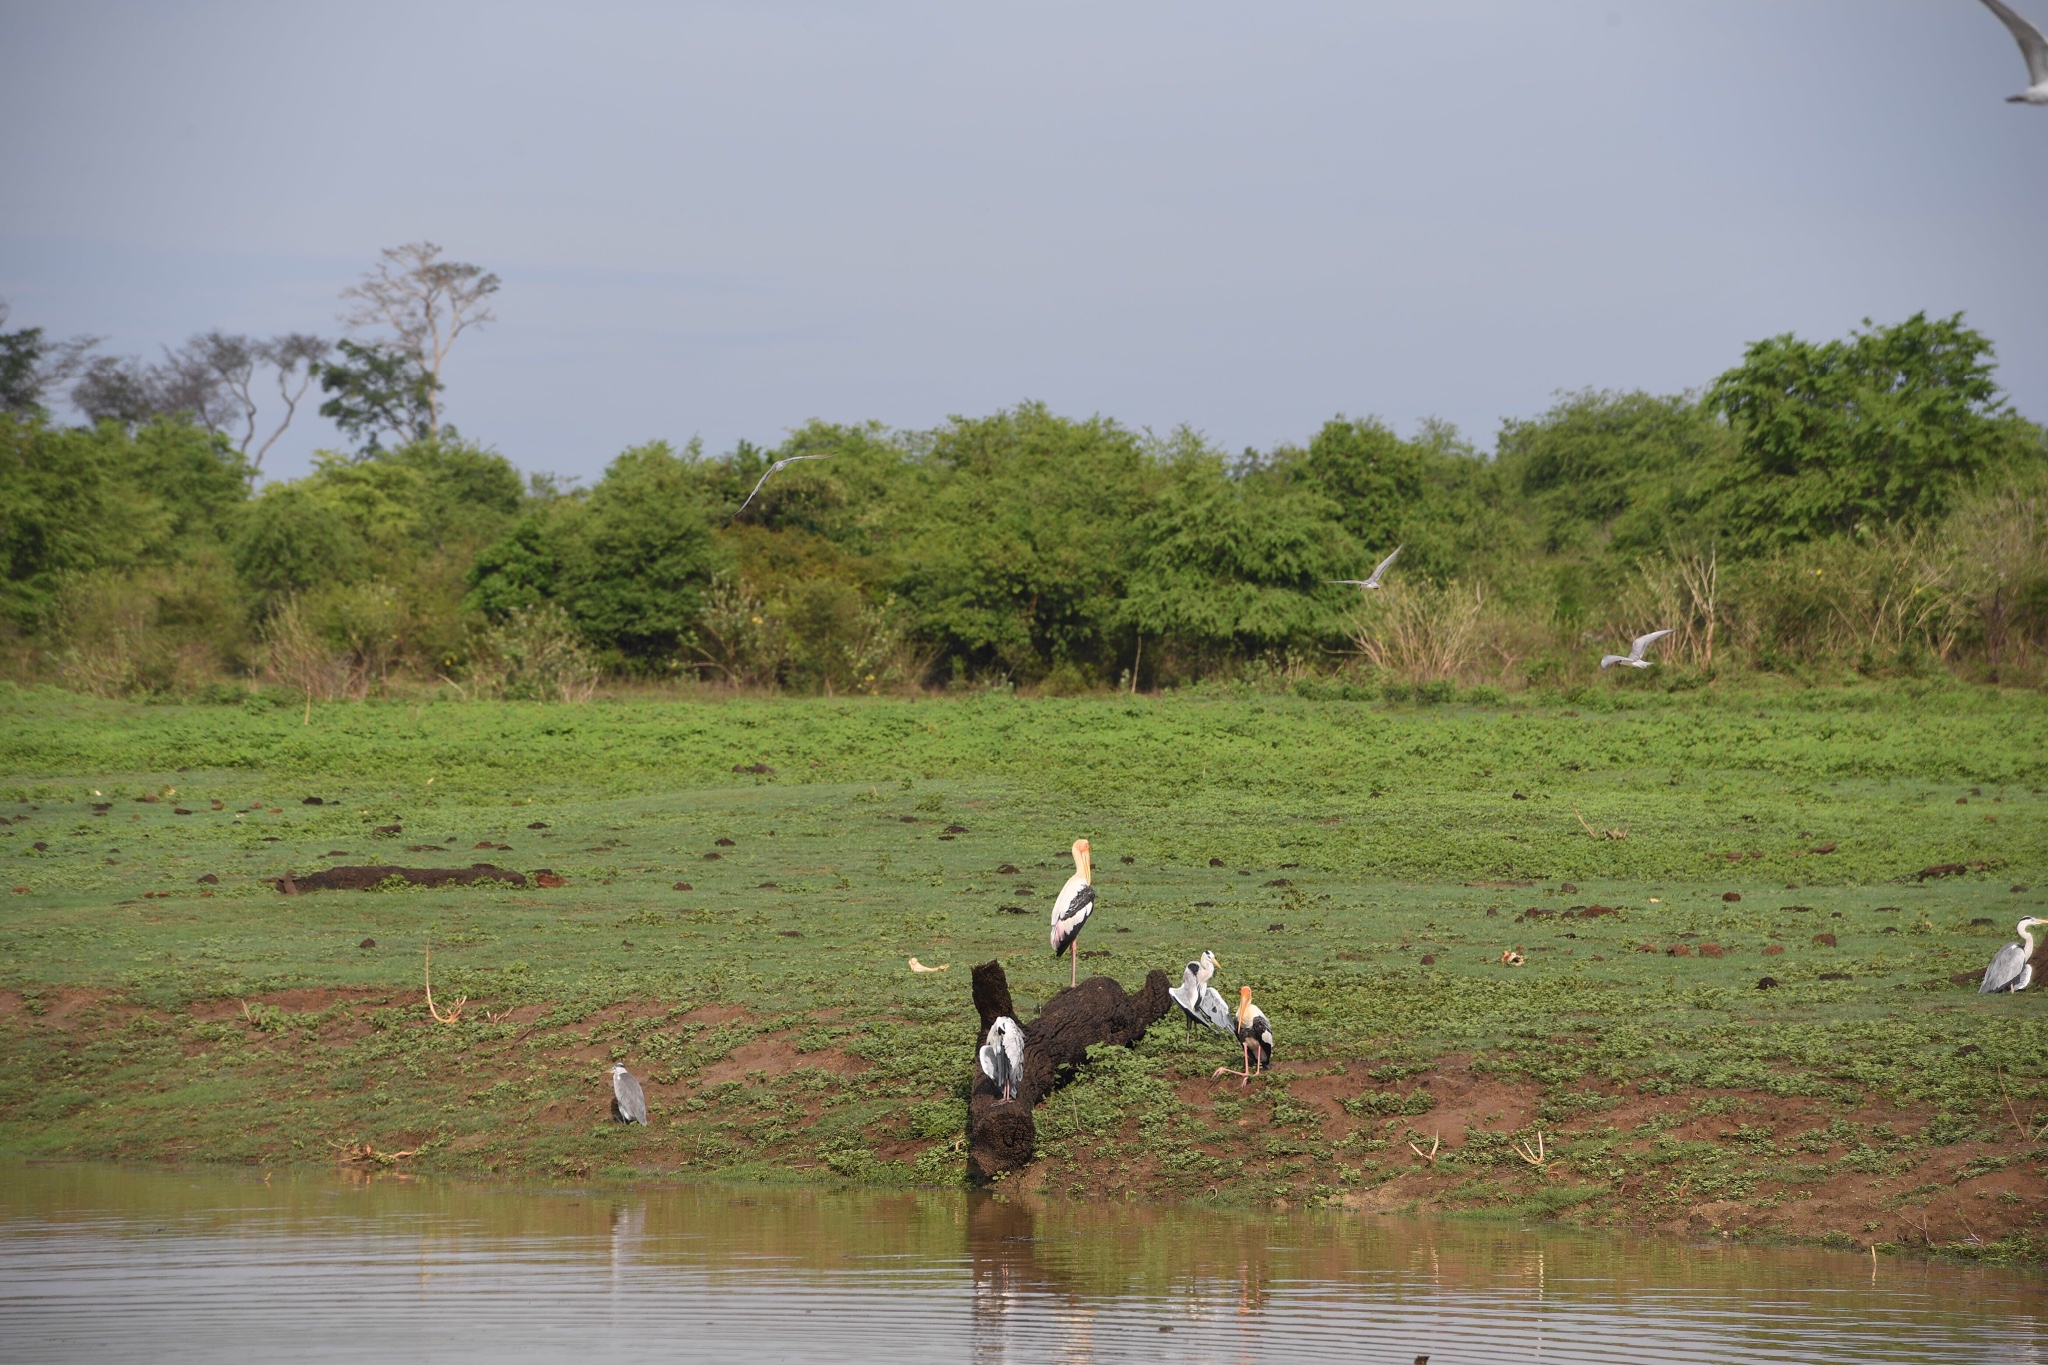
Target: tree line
1868,503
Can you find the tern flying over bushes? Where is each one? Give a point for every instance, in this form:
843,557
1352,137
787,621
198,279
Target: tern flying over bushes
1076,902
1634,658
1367,584
2033,46
2010,970
1002,1056
1199,1000
775,468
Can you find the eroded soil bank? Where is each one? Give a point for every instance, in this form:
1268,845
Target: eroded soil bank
520,1092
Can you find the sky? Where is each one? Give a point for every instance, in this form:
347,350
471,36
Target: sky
723,220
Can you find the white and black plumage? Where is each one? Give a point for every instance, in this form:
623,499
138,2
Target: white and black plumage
1254,1034
1076,902
629,1102
1199,1000
2033,46
2011,970
1373,581
1002,1056
775,468
1634,658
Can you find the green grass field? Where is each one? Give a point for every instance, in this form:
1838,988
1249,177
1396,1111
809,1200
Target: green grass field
1325,850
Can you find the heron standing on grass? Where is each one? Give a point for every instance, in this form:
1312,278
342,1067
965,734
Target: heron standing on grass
629,1102
1076,902
2012,970
1002,1056
1199,1000
1368,584
1634,658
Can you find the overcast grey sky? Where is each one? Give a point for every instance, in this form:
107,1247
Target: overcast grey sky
725,219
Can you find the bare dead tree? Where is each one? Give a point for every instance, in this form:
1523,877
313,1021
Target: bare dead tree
427,303
295,357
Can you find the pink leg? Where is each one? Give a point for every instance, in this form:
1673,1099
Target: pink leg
1074,961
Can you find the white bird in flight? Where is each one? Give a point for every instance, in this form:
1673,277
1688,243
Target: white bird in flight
2033,46
775,468
1634,658
1367,584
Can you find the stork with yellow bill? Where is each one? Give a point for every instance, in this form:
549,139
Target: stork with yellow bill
1076,902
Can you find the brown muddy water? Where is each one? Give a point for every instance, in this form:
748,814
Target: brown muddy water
109,1264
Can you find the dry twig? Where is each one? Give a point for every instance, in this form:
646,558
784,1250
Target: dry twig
454,1014
1592,833
1534,1155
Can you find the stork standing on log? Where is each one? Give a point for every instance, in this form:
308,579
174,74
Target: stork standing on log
1254,1034
1002,1056
1199,1000
1076,902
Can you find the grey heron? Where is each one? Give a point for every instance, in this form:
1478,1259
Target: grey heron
1373,581
2033,46
1070,910
1002,1056
1634,658
1254,1034
629,1102
775,468
2010,969
1199,1000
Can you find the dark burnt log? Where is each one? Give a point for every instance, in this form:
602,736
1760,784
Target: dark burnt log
1001,1134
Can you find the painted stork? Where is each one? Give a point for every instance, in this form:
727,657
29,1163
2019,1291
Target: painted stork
1076,902
2010,969
1199,1000
1002,1056
1254,1034
629,1103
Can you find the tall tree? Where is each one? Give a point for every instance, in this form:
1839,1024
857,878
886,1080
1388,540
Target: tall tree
1884,426
427,303
378,391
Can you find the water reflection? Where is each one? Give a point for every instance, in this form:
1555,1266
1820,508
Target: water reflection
113,1265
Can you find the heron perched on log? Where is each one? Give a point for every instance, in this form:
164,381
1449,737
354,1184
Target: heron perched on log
1002,1056
1075,903
1254,1033
629,1102
1199,1000
2011,970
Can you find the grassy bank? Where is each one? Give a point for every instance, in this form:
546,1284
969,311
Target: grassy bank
1326,850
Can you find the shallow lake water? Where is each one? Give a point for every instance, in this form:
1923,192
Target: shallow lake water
110,1264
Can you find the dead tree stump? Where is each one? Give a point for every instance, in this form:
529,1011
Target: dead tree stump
1001,1135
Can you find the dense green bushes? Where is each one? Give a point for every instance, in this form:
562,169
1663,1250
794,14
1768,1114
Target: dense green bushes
1867,503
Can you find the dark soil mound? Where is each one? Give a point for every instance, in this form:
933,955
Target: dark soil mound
363,878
